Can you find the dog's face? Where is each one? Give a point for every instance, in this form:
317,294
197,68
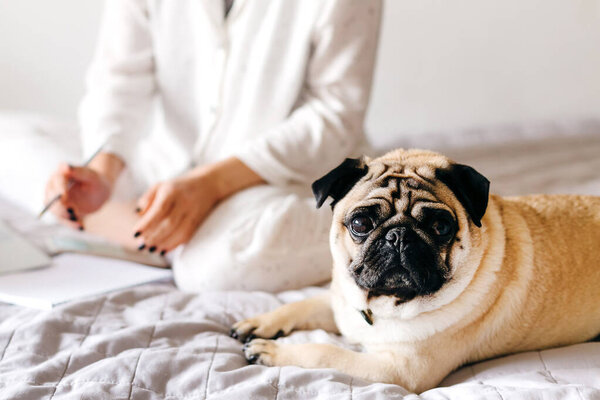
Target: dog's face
405,222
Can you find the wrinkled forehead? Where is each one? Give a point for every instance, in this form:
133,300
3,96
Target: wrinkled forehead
404,187
381,172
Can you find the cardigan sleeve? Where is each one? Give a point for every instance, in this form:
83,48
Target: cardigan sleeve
120,84
327,124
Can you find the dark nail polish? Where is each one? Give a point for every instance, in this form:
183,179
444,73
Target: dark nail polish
81,228
152,249
138,233
252,359
72,217
70,210
163,252
138,210
142,246
278,334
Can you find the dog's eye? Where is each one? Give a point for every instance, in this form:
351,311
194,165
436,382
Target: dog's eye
361,225
441,227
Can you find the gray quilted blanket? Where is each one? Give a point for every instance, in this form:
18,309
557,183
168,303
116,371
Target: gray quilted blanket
155,342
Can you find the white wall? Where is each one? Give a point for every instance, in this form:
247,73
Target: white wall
449,65
45,46
443,65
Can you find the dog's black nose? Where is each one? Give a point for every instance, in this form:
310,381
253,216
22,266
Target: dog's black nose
400,236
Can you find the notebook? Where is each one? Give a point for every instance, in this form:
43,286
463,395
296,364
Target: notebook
72,277
17,254
75,242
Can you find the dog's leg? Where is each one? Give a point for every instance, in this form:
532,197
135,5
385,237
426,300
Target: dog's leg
409,370
313,313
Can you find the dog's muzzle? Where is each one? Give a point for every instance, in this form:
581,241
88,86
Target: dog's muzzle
399,263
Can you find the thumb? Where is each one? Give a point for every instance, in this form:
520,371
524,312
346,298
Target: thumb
146,200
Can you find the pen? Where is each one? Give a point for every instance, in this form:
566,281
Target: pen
69,186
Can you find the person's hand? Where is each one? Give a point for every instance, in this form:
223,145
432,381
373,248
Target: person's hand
82,191
171,211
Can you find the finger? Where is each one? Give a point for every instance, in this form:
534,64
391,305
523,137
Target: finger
75,219
60,211
65,186
173,242
166,228
79,174
61,208
65,217
146,200
54,188
73,212
56,185
183,235
160,207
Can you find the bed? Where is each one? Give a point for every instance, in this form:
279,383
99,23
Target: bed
155,342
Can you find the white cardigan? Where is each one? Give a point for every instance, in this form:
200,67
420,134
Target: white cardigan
281,84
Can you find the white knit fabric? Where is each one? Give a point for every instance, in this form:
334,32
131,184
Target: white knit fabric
283,85
264,238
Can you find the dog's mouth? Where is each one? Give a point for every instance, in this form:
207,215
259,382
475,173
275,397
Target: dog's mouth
397,283
403,270
394,279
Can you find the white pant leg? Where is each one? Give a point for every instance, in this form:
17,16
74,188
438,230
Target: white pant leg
263,238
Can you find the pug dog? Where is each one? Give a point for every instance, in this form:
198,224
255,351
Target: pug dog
431,272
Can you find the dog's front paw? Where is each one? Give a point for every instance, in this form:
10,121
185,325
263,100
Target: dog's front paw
269,326
261,351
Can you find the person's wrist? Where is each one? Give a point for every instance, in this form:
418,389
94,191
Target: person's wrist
207,179
225,178
108,167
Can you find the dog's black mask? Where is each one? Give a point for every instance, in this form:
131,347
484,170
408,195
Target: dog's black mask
398,261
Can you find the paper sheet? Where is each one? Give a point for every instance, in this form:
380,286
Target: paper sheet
74,276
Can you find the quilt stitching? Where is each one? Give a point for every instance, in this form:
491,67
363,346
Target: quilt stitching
578,390
277,385
212,360
497,390
101,381
7,344
137,363
480,382
547,372
89,329
194,395
111,355
311,393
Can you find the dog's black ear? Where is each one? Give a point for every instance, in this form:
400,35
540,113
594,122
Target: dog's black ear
470,187
338,182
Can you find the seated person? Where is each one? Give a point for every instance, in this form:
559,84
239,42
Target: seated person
250,102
